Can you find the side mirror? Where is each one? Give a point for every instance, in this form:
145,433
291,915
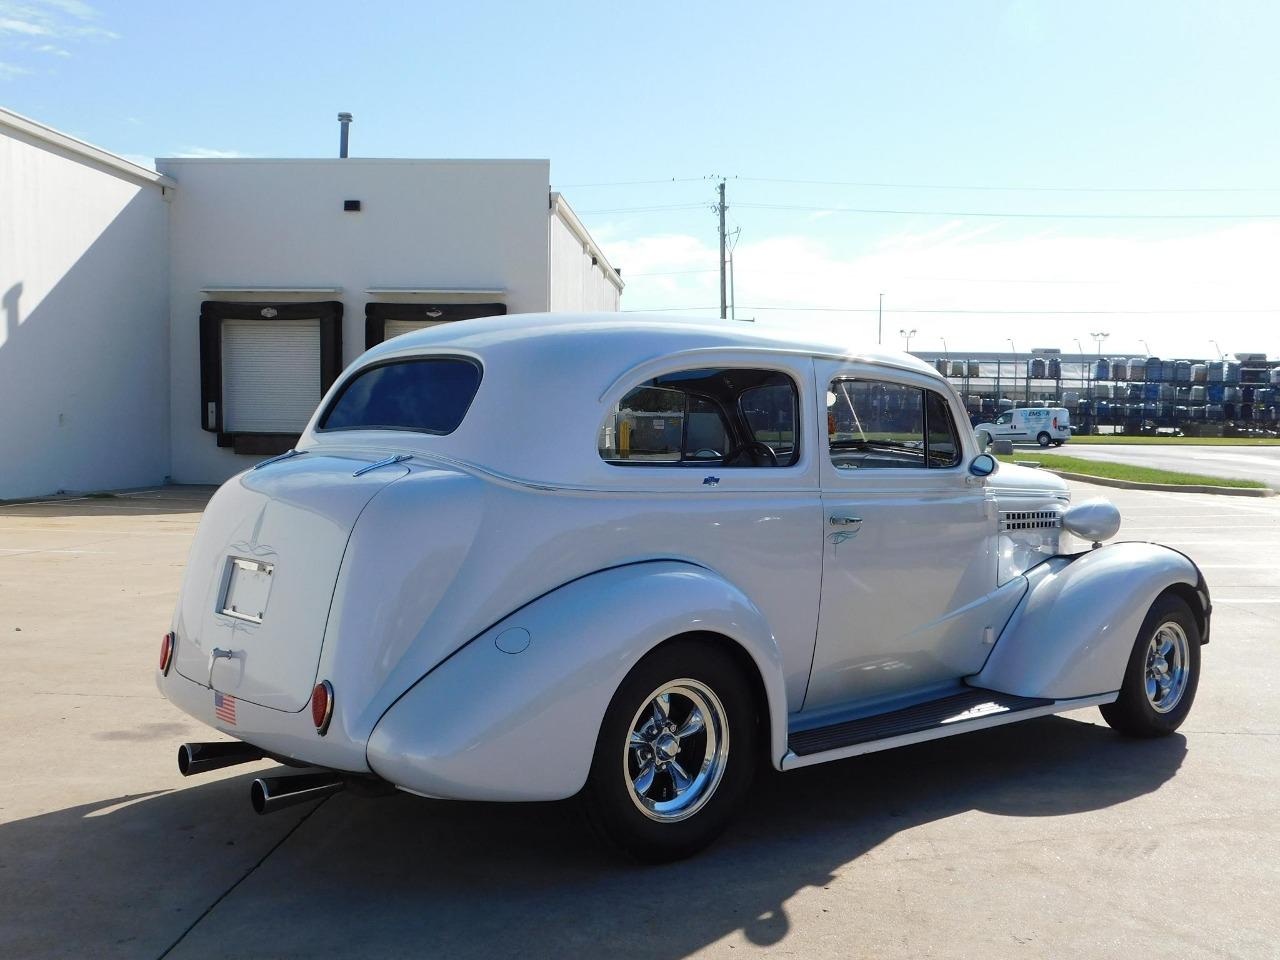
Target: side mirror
1094,520
983,465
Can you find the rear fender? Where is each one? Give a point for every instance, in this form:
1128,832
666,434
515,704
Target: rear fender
1073,632
514,714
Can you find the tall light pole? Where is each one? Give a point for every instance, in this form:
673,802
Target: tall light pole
1098,338
945,352
1014,350
1216,347
880,321
1146,346
733,245
907,335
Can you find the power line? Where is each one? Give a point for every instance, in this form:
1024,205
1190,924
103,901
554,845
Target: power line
887,185
999,189
649,209
970,310
1024,216
1011,215
630,183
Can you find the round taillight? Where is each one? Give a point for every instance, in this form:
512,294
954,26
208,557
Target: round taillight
166,653
322,706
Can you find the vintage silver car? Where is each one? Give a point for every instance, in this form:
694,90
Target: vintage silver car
632,559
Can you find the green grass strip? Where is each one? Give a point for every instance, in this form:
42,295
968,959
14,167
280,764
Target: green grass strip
1104,439
1123,471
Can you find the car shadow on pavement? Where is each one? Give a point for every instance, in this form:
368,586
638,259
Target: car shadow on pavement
402,875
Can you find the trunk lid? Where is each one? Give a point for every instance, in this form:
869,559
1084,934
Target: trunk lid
262,571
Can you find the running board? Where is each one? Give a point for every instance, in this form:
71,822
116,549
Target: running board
960,713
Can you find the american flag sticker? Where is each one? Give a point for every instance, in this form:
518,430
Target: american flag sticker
224,707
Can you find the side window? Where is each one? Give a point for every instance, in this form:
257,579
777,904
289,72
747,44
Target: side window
872,424
943,446
724,416
1005,418
771,415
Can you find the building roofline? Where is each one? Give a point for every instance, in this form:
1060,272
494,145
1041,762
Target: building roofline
85,151
560,207
352,161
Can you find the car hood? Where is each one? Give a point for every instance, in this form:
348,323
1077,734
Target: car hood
1015,481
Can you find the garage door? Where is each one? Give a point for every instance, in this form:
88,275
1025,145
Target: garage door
270,375
382,321
394,328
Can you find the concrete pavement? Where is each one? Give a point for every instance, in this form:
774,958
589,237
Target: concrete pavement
1051,838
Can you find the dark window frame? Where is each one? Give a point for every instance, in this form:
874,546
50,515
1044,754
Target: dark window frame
397,361
377,313
212,315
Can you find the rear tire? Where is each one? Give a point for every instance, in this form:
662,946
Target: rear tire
1163,673
676,752
1043,438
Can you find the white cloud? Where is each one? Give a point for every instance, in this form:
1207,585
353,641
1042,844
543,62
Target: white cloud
11,70
22,22
208,153
977,281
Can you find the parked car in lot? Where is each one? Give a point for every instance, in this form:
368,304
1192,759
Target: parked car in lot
633,560
1044,425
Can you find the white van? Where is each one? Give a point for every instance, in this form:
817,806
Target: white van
1044,425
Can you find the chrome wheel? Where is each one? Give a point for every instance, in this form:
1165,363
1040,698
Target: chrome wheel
676,750
1168,654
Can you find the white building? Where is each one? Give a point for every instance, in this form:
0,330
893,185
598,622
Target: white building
182,324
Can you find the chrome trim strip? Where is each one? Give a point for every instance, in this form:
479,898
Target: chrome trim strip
384,462
791,761
284,456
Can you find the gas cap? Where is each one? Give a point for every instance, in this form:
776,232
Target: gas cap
513,640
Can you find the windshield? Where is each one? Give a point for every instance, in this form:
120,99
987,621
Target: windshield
424,396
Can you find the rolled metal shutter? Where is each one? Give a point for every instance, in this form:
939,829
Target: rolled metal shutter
394,328
270,375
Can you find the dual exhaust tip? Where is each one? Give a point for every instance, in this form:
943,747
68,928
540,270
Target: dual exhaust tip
267,794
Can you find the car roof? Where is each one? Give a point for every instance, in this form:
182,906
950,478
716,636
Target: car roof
644,336
546,379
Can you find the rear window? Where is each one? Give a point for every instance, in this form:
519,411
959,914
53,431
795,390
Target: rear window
425,396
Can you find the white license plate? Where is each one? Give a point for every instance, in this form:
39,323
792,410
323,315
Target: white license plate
248,586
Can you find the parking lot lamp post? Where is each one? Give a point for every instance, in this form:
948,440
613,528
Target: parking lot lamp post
1218,348
907,335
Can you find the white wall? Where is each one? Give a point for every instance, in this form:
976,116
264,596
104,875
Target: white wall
577,285
83,321
259,223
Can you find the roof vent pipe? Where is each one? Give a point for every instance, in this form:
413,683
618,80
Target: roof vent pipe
344,119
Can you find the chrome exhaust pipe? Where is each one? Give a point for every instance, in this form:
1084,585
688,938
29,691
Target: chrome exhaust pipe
269,794
202,757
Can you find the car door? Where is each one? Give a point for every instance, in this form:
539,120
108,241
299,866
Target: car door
909,558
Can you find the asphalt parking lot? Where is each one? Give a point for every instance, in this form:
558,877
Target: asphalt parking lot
1052,838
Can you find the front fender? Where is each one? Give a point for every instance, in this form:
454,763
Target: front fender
1074,631
492,724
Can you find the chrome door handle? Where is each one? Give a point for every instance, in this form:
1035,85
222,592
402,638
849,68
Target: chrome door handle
846,521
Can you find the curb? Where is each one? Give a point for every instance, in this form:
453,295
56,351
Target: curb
1167,487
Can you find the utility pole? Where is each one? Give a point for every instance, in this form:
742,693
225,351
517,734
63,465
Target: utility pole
724,308
880,321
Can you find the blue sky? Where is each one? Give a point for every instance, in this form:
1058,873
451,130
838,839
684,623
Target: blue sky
958,103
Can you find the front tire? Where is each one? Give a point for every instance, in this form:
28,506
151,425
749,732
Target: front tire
1043,439
1163,673
676,752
